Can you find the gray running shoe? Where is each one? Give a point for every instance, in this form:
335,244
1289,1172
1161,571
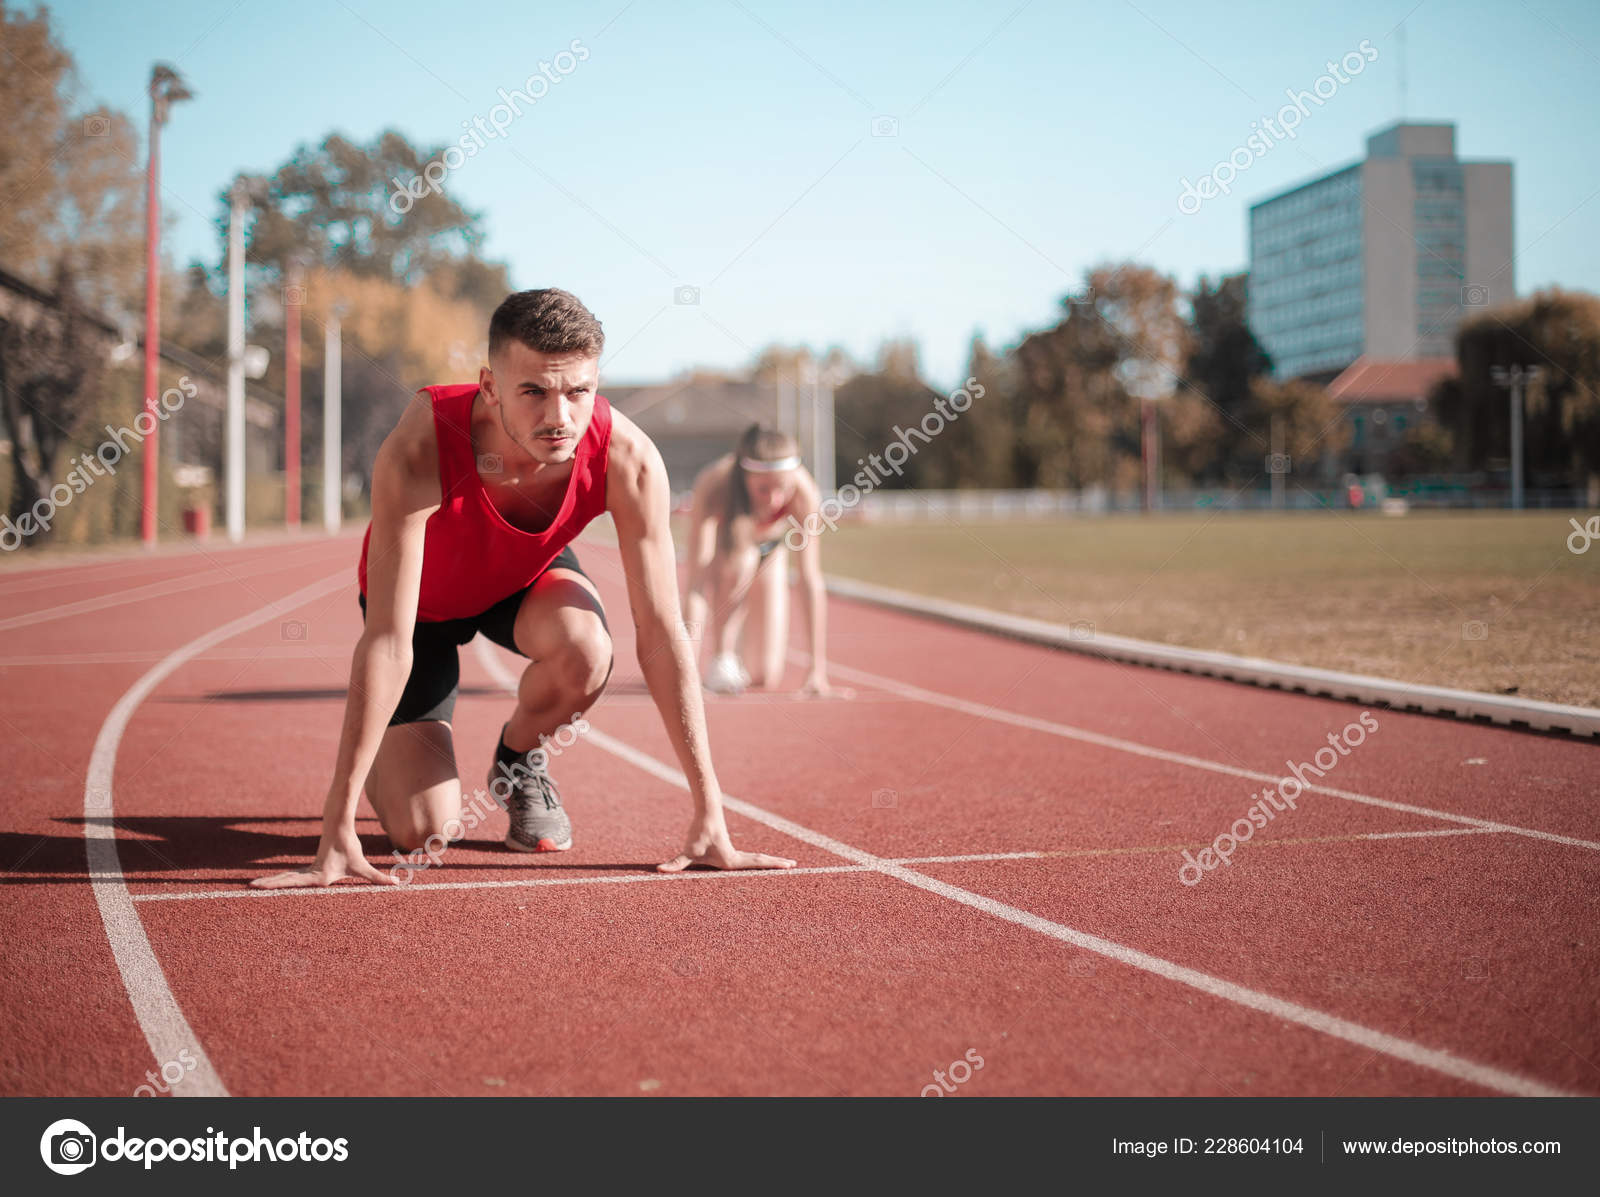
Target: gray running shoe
538,822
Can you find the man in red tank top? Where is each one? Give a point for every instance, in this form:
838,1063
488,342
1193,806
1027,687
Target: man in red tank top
476,496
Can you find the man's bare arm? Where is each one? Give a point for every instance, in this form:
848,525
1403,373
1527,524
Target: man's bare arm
405,492
640,504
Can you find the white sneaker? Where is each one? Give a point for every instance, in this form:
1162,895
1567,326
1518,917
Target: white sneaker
727,675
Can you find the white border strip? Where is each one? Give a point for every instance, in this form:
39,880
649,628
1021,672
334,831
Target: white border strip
165,1028
1256,671
1483,1075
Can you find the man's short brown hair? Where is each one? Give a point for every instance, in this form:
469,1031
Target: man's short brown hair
550,321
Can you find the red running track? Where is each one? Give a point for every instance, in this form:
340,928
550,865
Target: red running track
989,838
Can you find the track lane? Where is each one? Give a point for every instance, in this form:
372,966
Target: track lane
243,719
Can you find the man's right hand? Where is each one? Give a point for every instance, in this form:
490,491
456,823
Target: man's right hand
339,855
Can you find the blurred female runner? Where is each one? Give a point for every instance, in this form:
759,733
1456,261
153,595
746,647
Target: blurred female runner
745,518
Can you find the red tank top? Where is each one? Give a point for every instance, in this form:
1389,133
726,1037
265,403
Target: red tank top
472,556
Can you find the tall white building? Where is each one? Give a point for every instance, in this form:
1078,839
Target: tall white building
1380,259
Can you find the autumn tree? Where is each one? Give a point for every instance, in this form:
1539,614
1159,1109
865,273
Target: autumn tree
1556,330
1310,424
410,281
70,223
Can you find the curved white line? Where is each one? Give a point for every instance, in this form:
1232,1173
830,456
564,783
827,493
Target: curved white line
161,1020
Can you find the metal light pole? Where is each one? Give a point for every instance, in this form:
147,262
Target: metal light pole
235,421
1151,445
1276,461
825,435
294,298
332,449
165,88
788,417
821,426
1514,378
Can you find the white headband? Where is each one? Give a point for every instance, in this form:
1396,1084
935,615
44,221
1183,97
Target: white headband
751,465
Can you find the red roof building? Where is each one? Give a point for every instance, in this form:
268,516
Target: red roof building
1382,399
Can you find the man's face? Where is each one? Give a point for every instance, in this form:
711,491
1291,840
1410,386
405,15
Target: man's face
545,400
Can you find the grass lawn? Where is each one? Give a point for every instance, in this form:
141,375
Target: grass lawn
1481,601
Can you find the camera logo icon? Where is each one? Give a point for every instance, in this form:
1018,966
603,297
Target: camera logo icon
886,126
686,296
294,296
1474,629
1081,629
490,463
884,799
96,126
67,1147
1277,463
292,629
1474,295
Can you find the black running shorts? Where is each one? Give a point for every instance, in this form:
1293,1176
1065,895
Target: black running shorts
431,689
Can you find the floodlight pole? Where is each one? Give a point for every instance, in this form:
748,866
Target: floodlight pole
235,411
165,87
1513,378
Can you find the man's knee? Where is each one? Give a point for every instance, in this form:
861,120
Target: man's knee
583,662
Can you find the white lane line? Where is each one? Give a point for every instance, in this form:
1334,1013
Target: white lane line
165,1028
1482,1075
178,585
516,883
749,875
1408,835
984,711
277,652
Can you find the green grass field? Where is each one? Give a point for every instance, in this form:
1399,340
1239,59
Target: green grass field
1403,597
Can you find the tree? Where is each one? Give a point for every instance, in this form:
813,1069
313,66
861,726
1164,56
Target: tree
330,206
70,219
48,372
989,435
1310,421
415,293
871,405
1224,355
1194,434
33,107
1556,330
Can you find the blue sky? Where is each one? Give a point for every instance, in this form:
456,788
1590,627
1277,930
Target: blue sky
729,146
